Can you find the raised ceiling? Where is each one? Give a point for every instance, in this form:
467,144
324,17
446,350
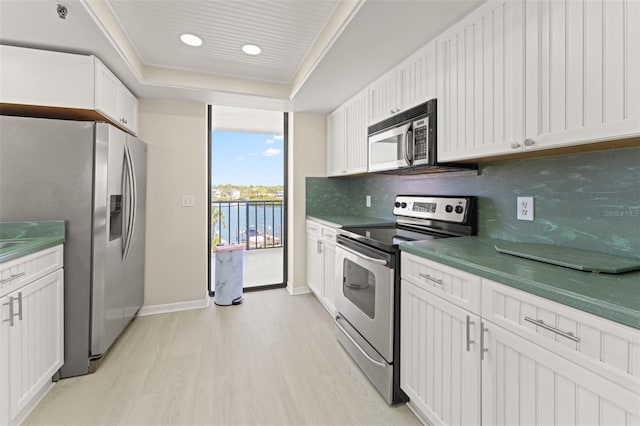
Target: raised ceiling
317,53
285,30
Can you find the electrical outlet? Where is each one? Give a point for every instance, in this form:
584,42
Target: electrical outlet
368,200
188,201
525,208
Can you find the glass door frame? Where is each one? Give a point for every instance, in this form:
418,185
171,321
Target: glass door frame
285,133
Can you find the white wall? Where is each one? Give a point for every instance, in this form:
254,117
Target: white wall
176,236
307,157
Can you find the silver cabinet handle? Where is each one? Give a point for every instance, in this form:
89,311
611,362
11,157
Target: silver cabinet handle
482,348
13,277
566,334
10,319
515,145
430,278
318,247
469,341
391,111
19,314
529,142
378,363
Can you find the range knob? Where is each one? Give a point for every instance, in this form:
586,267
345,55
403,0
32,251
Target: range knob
396,204
403,205
459,209
448,208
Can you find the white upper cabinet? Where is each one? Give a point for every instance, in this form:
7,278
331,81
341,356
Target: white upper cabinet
410,83
416,78
525,75
113,100
382,97
480,104
336,135
347,137
43,83
582,70
44,78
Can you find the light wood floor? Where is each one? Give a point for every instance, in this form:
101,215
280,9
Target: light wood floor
271,361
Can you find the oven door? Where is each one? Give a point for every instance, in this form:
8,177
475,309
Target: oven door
389,150
365,297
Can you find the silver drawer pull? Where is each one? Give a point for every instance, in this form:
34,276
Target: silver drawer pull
13,277
566,334
469,341
430,278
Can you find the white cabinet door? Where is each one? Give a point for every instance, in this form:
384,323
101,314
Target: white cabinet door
5,368
314,264
35,339
115,101
416,78
383,97
356,115
129,109
440,357
523,383
329,275
582,72
106,92
480,83
336,139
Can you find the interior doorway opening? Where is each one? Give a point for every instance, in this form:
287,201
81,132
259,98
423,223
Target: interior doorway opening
247,192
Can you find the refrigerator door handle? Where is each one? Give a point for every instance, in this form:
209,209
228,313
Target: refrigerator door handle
131,199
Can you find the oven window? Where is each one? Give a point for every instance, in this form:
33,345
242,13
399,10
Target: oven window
359,286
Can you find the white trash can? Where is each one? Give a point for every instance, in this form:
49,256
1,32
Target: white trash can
229,274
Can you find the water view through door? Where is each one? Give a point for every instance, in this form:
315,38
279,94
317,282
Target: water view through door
247,192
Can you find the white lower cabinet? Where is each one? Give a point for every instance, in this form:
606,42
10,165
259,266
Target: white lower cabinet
519,359
31,336
524,383
440,358
321,258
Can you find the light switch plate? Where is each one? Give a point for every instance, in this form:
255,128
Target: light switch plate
188,200
525,208
368,200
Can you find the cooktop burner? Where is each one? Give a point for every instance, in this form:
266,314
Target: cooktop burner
389,235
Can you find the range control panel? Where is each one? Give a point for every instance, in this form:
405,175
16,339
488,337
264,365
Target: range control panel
449,209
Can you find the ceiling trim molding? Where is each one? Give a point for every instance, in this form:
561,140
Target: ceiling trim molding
106,20
108,23
342,16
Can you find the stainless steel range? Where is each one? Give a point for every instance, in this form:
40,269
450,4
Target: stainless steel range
368,267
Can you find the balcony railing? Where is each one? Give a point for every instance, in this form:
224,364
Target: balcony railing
256,224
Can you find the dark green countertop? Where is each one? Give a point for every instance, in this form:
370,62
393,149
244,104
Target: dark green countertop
339,221
615,297
32,237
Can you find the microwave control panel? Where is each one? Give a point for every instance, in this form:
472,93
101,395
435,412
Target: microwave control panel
449,209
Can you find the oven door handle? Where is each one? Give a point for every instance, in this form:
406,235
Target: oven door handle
370,259
376,362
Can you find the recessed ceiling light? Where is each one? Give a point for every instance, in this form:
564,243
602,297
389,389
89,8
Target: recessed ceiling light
191,40
251,49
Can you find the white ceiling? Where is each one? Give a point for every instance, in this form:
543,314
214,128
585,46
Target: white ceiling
317,53
285,30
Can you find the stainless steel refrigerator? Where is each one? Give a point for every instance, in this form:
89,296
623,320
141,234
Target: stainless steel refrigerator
93,176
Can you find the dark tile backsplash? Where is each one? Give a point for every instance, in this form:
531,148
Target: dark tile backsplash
589,201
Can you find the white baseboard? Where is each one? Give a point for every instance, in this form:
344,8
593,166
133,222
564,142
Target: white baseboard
296,291
174,307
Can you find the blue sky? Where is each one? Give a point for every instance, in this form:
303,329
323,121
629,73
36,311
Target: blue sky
247,159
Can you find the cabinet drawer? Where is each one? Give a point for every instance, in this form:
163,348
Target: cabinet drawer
329,234
19,272
449,283
314,228
600,345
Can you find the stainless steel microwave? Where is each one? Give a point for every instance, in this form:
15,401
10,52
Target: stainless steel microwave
404,140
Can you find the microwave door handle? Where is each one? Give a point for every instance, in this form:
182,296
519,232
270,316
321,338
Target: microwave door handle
408,144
